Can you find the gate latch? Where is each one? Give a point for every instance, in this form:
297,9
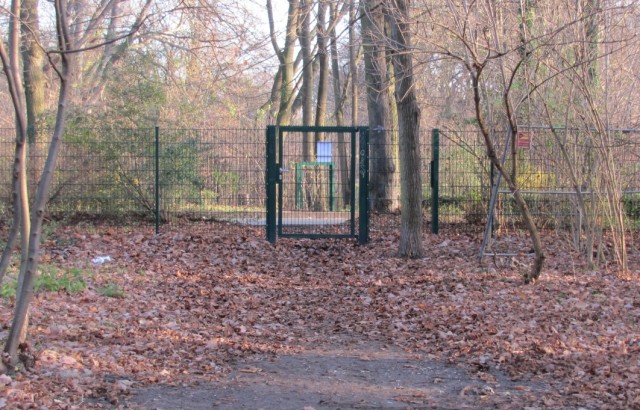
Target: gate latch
280,170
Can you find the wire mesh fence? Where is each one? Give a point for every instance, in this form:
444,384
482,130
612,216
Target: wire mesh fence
142,177
559,168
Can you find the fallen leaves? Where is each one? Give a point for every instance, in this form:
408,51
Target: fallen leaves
195,300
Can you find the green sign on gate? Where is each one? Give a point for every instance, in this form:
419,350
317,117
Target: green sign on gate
317,182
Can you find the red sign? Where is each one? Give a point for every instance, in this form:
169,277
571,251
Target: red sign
523,140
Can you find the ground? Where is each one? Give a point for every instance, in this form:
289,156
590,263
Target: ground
214,316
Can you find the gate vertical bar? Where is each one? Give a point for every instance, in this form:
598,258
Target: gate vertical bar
271,180
363,236
352,180
157,179
435,180
278,174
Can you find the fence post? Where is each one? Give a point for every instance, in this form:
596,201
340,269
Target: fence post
271,179
363,233
435,180
157,179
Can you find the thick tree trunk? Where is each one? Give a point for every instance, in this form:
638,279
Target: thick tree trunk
382,164
409,127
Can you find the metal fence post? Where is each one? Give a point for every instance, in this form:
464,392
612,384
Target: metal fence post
435,180
363,233
157,179
271,179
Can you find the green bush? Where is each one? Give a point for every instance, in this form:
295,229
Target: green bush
631,204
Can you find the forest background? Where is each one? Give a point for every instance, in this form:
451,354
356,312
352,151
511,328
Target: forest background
392,65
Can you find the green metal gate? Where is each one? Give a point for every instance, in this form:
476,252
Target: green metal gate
317,182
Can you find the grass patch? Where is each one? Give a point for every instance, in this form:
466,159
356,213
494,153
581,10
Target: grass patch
8,289
50,279
111,290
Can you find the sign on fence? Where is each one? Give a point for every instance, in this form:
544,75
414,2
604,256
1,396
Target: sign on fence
323,151
523,140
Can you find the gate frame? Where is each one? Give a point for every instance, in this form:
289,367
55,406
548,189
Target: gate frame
274,148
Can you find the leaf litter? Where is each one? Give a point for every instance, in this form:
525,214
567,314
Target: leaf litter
200,305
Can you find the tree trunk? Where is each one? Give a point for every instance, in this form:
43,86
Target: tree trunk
23,299
10,65
339,96
323,72
306,91
409,127
382,165
538,263
30,265
33,60
286,58
34,83
353,67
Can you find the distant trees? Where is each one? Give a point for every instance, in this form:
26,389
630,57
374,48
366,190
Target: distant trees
539,63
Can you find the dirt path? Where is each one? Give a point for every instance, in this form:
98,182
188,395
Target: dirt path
355,376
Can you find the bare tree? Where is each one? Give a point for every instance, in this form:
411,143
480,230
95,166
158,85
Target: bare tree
340,93
383,168
286,56
32,223
323,63
306,90
409,127
61,58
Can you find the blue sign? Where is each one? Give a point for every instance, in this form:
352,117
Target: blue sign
323,151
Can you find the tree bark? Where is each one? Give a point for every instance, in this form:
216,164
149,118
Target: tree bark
286,58
339,96
323,72
409,127
353,67
382,165
10,65
30,265
33,61
306,91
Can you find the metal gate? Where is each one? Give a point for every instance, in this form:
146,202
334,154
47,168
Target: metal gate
317,182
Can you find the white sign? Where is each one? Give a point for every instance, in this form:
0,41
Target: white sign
323,151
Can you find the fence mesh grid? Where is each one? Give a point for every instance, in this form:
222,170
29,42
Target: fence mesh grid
116,175
316,183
